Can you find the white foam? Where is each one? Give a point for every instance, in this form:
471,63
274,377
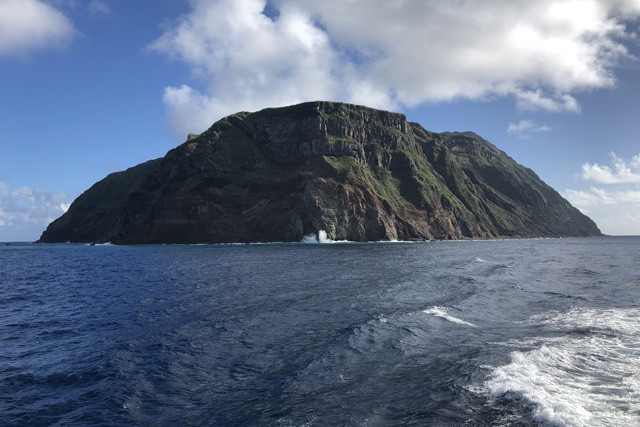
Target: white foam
478,259
442,312
617,321
321,237
589,376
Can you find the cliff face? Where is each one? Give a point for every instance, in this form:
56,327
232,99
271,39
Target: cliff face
359,174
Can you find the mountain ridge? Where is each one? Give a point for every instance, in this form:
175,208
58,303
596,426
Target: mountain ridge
355,172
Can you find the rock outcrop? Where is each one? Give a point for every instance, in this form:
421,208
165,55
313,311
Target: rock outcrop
357,173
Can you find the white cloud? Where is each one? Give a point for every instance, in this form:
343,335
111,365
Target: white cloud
25,212
27,25
600,196
98,7
616,207
390,54
524,128
536,100
622,172
249,60
616,212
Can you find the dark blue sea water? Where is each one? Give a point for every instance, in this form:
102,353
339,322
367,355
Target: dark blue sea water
514,332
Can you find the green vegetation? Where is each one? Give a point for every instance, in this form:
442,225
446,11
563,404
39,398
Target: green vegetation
378,179
341,165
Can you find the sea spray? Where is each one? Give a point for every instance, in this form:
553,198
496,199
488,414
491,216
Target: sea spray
321,237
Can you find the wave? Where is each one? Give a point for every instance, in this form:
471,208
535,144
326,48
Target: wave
442,312
590,375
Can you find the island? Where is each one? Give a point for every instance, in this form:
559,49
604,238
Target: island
345,171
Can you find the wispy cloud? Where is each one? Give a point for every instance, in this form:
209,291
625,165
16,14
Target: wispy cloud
27,25
98,7
4,189
26,212
524,128
391,54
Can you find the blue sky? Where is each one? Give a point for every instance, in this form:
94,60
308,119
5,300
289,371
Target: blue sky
89,87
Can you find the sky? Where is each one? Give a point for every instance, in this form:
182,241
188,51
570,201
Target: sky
91,87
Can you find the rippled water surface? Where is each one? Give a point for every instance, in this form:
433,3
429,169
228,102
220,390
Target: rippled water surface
436,333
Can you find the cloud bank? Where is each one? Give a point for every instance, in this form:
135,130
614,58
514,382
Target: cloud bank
27,25
25,212
615,203
250,54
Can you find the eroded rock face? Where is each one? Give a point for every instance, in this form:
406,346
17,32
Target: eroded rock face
357,173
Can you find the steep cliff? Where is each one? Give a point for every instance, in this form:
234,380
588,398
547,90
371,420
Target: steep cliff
357,173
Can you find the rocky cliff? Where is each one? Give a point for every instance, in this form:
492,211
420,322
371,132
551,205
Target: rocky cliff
357,173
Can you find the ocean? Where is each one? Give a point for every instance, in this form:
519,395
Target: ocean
474,333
